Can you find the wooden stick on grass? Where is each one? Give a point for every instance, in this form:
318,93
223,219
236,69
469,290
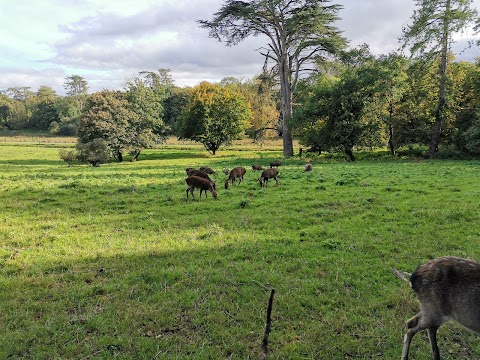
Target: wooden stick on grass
268,326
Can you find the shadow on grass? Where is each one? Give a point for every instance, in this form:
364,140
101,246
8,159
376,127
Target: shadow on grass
190,304
32,162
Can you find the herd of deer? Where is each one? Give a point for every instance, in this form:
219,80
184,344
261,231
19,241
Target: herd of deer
200,178
448,288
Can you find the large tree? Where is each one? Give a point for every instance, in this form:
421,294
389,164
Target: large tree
107,116
433,24
147,128
296,30
336,114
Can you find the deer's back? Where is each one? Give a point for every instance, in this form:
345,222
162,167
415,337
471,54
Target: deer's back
270,173
451,286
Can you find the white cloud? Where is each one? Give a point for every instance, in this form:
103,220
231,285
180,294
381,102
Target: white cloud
107,41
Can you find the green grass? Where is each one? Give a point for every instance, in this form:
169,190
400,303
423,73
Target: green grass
114,262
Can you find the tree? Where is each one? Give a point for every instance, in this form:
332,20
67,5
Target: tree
5,110
69,156
260,98
44,111
336,113
468,95
76,87
296,30
95,152
390,90
21,107
158,81
433,25
147,127
107,116
69,114
173,106
215,116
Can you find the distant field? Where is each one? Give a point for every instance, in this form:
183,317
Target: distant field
39,138
115,262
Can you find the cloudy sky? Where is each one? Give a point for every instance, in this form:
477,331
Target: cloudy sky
108,41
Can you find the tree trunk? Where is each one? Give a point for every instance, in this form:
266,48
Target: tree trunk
119,156
439,113
391,145
135,156
286,93
349,153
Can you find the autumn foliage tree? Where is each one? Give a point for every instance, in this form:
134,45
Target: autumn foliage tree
214,116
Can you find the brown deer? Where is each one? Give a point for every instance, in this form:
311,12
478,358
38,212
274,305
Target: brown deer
208,170
271,173
308,167
275,164
201,183
256,168
448,288
236,173
199,173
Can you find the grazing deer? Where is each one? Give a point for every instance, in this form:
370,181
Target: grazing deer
256,168
308,167
236,173
268,174
199,173
226,171
275,164
207,170
448,288
201,183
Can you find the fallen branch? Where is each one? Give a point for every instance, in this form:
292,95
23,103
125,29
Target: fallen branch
268,326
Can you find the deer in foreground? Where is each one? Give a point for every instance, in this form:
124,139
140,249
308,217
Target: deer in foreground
271,173
201,183
236,173
448,288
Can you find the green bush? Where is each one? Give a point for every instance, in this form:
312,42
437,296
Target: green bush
69,156
95,152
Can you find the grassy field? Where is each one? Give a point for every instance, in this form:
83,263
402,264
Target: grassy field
114,263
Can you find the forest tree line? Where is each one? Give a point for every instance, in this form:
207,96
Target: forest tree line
356,100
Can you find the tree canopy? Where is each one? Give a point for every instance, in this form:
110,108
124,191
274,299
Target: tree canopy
214,116
430,34
296,31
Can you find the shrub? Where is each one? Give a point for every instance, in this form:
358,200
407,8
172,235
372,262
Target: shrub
69,156
95,152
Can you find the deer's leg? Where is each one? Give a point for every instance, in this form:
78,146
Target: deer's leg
188,189
432,336
412,329
276,181
407,339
